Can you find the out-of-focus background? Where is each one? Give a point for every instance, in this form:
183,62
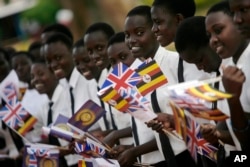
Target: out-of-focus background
21,21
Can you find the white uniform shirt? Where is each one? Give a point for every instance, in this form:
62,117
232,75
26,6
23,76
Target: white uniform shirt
62,106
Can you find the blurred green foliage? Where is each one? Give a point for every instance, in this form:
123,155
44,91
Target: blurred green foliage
44,12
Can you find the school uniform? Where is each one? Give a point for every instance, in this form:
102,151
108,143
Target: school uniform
32,101
245,94
62,106
168,62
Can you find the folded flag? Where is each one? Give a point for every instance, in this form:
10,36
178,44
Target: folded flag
208,93
17,117
112,97
86,116
121,78
152,77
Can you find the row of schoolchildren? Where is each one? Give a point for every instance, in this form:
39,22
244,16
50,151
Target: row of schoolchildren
63,76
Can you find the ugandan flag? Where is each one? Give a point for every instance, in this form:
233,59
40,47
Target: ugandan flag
112,97
208,93
152,78
215,115
86,116
27,124
85,163
179,119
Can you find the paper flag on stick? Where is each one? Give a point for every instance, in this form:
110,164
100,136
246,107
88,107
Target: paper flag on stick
121,78
152,78
207,93
86,116
112,97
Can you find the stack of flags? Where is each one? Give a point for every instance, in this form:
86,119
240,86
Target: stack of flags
125,89
191,106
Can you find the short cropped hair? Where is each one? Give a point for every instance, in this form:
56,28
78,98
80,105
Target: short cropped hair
222,6
142,10
22,53
117,38
5,54
101,26
191,33
185,7
34,45
79,43
59,37
58,28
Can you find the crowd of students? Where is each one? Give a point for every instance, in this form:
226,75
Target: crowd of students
58,74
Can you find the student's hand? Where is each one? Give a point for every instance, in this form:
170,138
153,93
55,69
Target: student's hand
99,134
117,150
210,133
163,120
111,138
233,79
127,158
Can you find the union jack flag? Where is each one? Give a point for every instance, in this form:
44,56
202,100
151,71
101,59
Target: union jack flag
122,77
16,117
197,144
189,103
89,145
32,162
29,160
9,91
39,152
9,86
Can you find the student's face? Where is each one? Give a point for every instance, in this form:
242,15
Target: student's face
164,26
241,9
21,64
84,64
119,52
59,60
96,44
42,79
139,37
225,38
4,67
204,58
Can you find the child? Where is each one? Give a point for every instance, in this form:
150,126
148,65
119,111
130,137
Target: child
166,16
21,62
95,40
228,42
43,79
58,55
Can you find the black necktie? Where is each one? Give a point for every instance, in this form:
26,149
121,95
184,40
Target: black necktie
72,100
180,70
112,119
165,143
53,140
106,123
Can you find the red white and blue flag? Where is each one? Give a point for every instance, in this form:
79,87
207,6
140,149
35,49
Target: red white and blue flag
195,142
16,117
9,86
89,147
121,78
